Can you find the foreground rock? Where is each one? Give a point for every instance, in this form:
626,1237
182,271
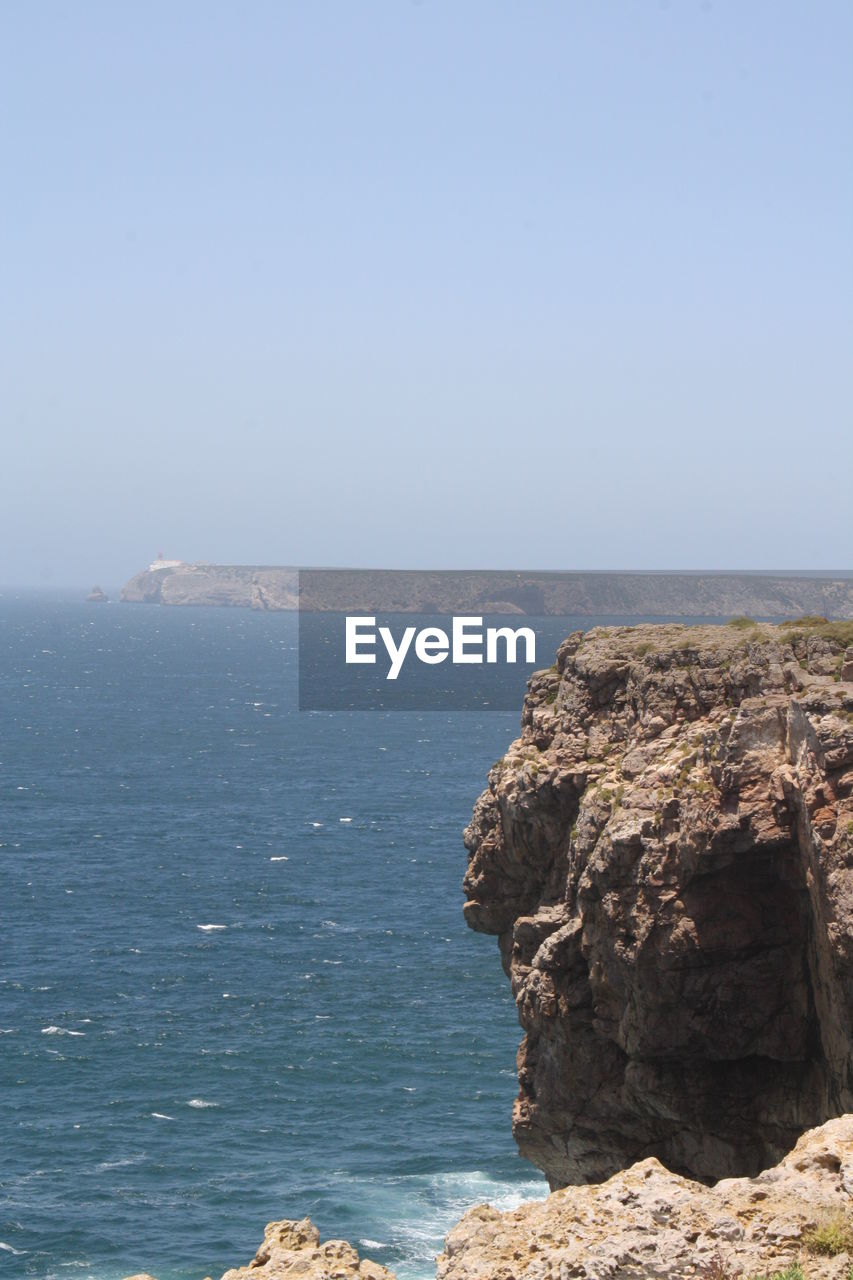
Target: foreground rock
647,1222
666,855
293,1249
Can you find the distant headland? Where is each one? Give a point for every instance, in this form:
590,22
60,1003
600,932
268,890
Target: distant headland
542,593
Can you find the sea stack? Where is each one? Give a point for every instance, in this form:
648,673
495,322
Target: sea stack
666,857
98,596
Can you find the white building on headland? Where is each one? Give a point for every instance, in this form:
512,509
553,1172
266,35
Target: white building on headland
160,563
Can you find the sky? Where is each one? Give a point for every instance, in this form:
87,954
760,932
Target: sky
558,284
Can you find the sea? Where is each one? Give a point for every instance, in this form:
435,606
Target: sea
235,980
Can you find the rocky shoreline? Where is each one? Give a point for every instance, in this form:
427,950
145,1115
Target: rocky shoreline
793,1221
688,595
666,857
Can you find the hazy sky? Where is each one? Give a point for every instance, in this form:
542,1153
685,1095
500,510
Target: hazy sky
451,283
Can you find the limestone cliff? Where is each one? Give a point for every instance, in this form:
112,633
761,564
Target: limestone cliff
683,595
666,856
242,586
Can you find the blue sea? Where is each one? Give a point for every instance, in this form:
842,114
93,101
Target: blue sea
235,981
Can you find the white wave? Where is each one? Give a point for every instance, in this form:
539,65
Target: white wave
158,1115
344,819
415,1212
119,1164
372,1244
282,857
60,1031
209,928
201,1103
317,824
19,1253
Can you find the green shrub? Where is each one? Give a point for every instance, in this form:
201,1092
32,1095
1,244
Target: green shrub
831,1236
840,633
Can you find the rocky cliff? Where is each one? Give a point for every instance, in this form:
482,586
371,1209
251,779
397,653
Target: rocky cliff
688,595
666,856
242,586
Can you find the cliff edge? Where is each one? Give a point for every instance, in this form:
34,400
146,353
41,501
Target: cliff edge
666,856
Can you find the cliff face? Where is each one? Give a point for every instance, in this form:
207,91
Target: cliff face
239,586
666,856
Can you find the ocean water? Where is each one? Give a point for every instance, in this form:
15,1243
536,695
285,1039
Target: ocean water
235,982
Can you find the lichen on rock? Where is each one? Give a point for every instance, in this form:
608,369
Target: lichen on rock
666,856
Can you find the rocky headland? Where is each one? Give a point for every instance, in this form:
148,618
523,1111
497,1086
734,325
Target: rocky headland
686,595
238,586
666,857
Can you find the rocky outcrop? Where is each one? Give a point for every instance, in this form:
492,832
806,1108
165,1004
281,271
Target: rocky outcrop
650,1223
98,596
692,595
666,856
293,1249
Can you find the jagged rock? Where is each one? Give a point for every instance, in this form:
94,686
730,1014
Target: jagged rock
648,1222
294,1249
666,855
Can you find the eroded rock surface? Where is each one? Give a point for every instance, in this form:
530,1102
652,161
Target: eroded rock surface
648,1222
666,856
294,1249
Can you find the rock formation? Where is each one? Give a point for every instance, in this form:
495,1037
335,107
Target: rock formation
248,586
666,856
651,1224
293,1249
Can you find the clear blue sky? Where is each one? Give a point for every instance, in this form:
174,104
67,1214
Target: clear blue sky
558,284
